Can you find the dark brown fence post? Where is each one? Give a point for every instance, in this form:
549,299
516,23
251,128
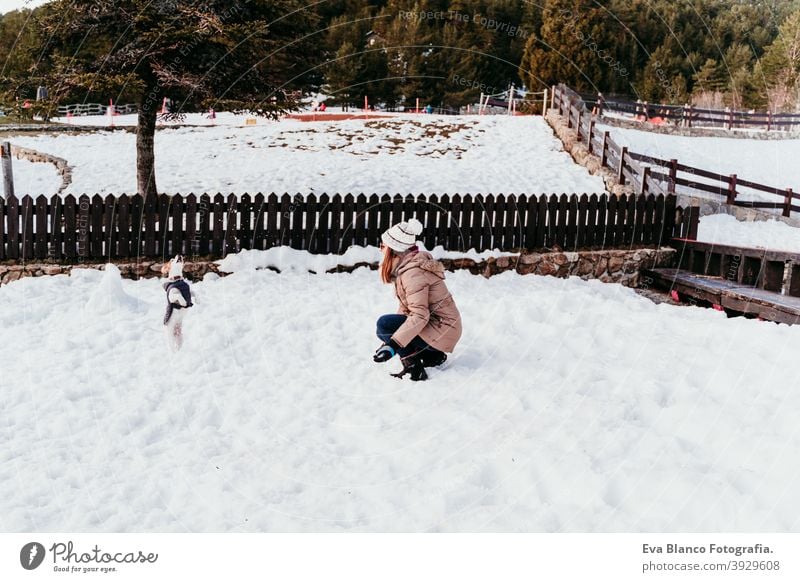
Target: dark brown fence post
732,189
621,169
690,115
579,115
787,203
645,177
600,104
591,135
673,176
604,153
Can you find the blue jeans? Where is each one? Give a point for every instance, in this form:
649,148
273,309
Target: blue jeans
388,324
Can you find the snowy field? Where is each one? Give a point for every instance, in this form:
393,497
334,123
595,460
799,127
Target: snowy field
769,162
726,230
404,154
568,406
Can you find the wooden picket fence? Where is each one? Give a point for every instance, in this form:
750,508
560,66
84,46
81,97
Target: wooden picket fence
651,175
120,227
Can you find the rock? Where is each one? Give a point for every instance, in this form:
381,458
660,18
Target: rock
600,266
529,258
545,267
615,264
585,266
11,276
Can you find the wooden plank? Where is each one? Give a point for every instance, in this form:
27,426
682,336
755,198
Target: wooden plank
336,222
245,234
591,221
123,226
637,219
510,236
530,214
110,236
488,241
162,238
455,240
649,219
56,248
176,232
466,222
623,226
40,240
323,232
384,214
571,241
551,239
563,221
137,211
309,222
348,223
204,225
373,218
218,226
70,227
602,218
430,220
190,235
149,218
541,222
232,234
583,226
272,233
26,212
411,210
360,228
2,228
259,233
443,228
476,227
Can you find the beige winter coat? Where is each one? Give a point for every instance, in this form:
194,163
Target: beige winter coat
424,299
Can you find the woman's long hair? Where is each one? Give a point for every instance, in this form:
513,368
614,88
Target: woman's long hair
386,264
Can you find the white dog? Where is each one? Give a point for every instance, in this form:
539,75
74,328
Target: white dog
179,299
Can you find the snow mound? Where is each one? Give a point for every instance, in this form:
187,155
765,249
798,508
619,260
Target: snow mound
109,296
286,259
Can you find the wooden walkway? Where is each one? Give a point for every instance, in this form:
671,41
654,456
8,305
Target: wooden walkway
729,295
760,282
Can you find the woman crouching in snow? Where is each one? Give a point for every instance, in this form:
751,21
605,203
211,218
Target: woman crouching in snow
179,298
428,323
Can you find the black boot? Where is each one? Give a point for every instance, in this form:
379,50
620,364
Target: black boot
433,358
413,366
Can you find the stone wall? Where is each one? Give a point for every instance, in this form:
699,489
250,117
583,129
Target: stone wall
62,167
130,270
580,153
610,266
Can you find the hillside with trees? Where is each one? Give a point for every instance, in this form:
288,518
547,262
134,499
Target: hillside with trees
718,53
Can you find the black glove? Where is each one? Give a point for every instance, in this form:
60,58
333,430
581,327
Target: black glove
386,352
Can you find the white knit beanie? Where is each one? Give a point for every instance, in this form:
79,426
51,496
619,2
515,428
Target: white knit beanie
402,236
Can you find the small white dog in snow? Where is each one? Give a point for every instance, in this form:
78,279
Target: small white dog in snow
179,299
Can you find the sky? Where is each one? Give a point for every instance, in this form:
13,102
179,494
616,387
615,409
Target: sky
9,5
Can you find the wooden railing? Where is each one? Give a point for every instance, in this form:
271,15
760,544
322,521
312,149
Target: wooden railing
98,228
690,116
648,174
757,268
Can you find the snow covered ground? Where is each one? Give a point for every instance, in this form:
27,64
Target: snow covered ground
568,406
404,154
725,229
769,162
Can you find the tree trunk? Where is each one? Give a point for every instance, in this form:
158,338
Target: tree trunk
145,153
